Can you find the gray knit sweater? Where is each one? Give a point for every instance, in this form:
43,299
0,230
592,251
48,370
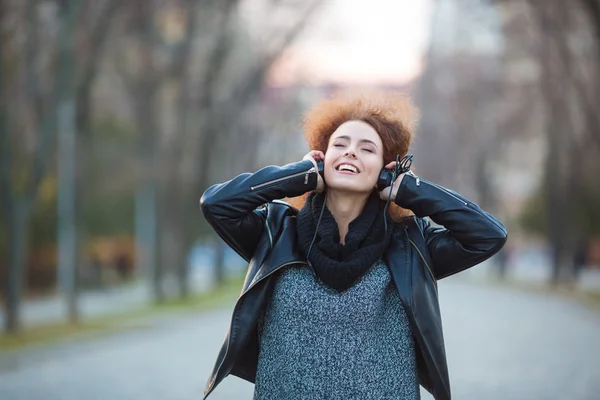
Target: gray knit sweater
316,343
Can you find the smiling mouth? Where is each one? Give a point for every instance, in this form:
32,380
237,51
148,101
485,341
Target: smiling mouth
347,168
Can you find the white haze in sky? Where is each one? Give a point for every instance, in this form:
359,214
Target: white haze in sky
358,41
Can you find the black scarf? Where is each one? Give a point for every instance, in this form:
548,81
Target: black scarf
339,266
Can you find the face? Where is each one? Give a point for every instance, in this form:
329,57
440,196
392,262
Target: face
354,158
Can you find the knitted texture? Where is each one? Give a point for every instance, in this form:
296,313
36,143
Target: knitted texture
317,343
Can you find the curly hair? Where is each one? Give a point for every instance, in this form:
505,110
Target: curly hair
391,114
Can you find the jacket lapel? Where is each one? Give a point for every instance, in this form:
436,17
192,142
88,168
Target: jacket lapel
397,259
285,251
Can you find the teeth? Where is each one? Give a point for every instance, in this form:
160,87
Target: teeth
347,168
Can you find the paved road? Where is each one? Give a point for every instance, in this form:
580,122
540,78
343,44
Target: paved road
501,344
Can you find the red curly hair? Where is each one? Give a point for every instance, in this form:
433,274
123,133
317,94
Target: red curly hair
391,114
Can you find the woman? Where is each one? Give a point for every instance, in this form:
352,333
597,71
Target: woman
340,299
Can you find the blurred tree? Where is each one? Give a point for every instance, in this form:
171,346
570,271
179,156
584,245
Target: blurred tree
28,135
144,82
231,94
506,72
571,124
174,247
68,11
194,71
109,204
563,45
93,30
6,199
459,91
230,70
160,62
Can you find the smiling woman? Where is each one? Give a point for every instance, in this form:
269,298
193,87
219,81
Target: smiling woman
375,126
340,298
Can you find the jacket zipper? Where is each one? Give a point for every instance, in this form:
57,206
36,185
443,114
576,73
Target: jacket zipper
473,208
271,273
269,231
415,176
446,191
461,200
214,378
283,178
426,264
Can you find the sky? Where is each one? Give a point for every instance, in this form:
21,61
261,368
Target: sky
358,41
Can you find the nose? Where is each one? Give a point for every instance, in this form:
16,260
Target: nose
350,153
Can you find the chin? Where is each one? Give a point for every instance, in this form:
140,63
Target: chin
350,187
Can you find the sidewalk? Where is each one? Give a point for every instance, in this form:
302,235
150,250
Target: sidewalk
536,270
100,302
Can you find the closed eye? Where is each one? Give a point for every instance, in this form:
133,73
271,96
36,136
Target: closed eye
369,150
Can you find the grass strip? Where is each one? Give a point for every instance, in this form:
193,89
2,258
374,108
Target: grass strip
45,334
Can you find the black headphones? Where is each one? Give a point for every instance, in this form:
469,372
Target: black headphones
386,176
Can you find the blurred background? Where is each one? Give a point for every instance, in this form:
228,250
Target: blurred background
116,115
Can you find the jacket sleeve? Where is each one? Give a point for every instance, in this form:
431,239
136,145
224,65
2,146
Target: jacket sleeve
468,234
233,208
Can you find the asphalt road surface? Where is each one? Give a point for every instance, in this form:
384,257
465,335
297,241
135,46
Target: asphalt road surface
501,343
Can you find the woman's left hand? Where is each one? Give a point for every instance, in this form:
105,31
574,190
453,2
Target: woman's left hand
394,188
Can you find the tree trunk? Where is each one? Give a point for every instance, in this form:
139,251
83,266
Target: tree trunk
146,198
85,85
219,262
145,235
593,11
181,252
67,230
182,194
67,145
16,261
553,90
15,217
176,228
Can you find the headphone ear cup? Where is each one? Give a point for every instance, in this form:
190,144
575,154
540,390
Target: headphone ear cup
385,179
321,168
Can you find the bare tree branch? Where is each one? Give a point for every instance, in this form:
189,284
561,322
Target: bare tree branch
217,56
555,31
89,67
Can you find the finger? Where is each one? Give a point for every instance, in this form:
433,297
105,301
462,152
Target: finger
391,165
399,180
384,193
311,158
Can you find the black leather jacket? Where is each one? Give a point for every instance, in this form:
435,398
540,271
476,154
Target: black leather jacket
245,213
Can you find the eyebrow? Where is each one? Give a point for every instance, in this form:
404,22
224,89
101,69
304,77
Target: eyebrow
361,141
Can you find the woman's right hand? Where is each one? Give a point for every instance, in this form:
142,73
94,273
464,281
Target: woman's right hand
314,156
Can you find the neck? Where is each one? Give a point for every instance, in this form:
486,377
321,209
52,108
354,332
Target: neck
345,207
